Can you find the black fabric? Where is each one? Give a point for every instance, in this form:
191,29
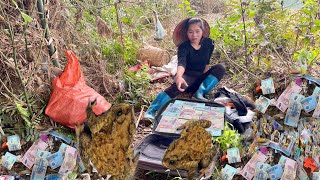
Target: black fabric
194,61
194,80
236,100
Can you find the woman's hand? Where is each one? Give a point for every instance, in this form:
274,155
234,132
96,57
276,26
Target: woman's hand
181,83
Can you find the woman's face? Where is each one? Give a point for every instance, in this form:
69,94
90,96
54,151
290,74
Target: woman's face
194,33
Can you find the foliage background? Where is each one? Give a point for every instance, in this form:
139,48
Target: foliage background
254,39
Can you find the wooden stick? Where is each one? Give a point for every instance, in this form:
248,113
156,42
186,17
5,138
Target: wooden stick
139,118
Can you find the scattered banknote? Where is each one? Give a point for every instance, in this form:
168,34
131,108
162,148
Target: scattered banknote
316,113
215,132
297,154
267,86
290,170
69,162
316,91
294,110
276,125
275,172
305,136
55,160
63,147
228,172
302,174
60,136
40,167
262,104
283,101
29,157
261,171
6,177
52,177
309,103
80,163
316,176
14,142
233,155
248,171
8,160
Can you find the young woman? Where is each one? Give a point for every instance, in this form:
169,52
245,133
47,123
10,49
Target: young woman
194,74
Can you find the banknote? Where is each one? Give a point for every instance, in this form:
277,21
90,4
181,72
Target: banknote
290,170
55,160
302,174
283,101
248,171
216,116
276,125
69,162
29,157
197,114
171,111
261,171
228,172
52,177
6,177
13,142
186,113
309,103
294,110
8,160
233,155
316,91
297,154
40,167
63,147
262,104
166,125
267,86
80,163
316,176
203,108
275,172
188,104
215,132
316,113
60,136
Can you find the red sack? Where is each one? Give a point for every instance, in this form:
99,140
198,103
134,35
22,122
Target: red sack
70,96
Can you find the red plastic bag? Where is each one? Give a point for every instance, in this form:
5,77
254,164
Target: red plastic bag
70,96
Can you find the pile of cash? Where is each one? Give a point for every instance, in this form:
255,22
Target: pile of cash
39,159
179,112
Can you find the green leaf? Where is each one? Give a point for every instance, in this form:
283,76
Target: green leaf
306,11
317,22
26,18
234,17
23,113
251,14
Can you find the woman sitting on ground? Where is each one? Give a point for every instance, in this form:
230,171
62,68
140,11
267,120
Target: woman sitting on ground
194,74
